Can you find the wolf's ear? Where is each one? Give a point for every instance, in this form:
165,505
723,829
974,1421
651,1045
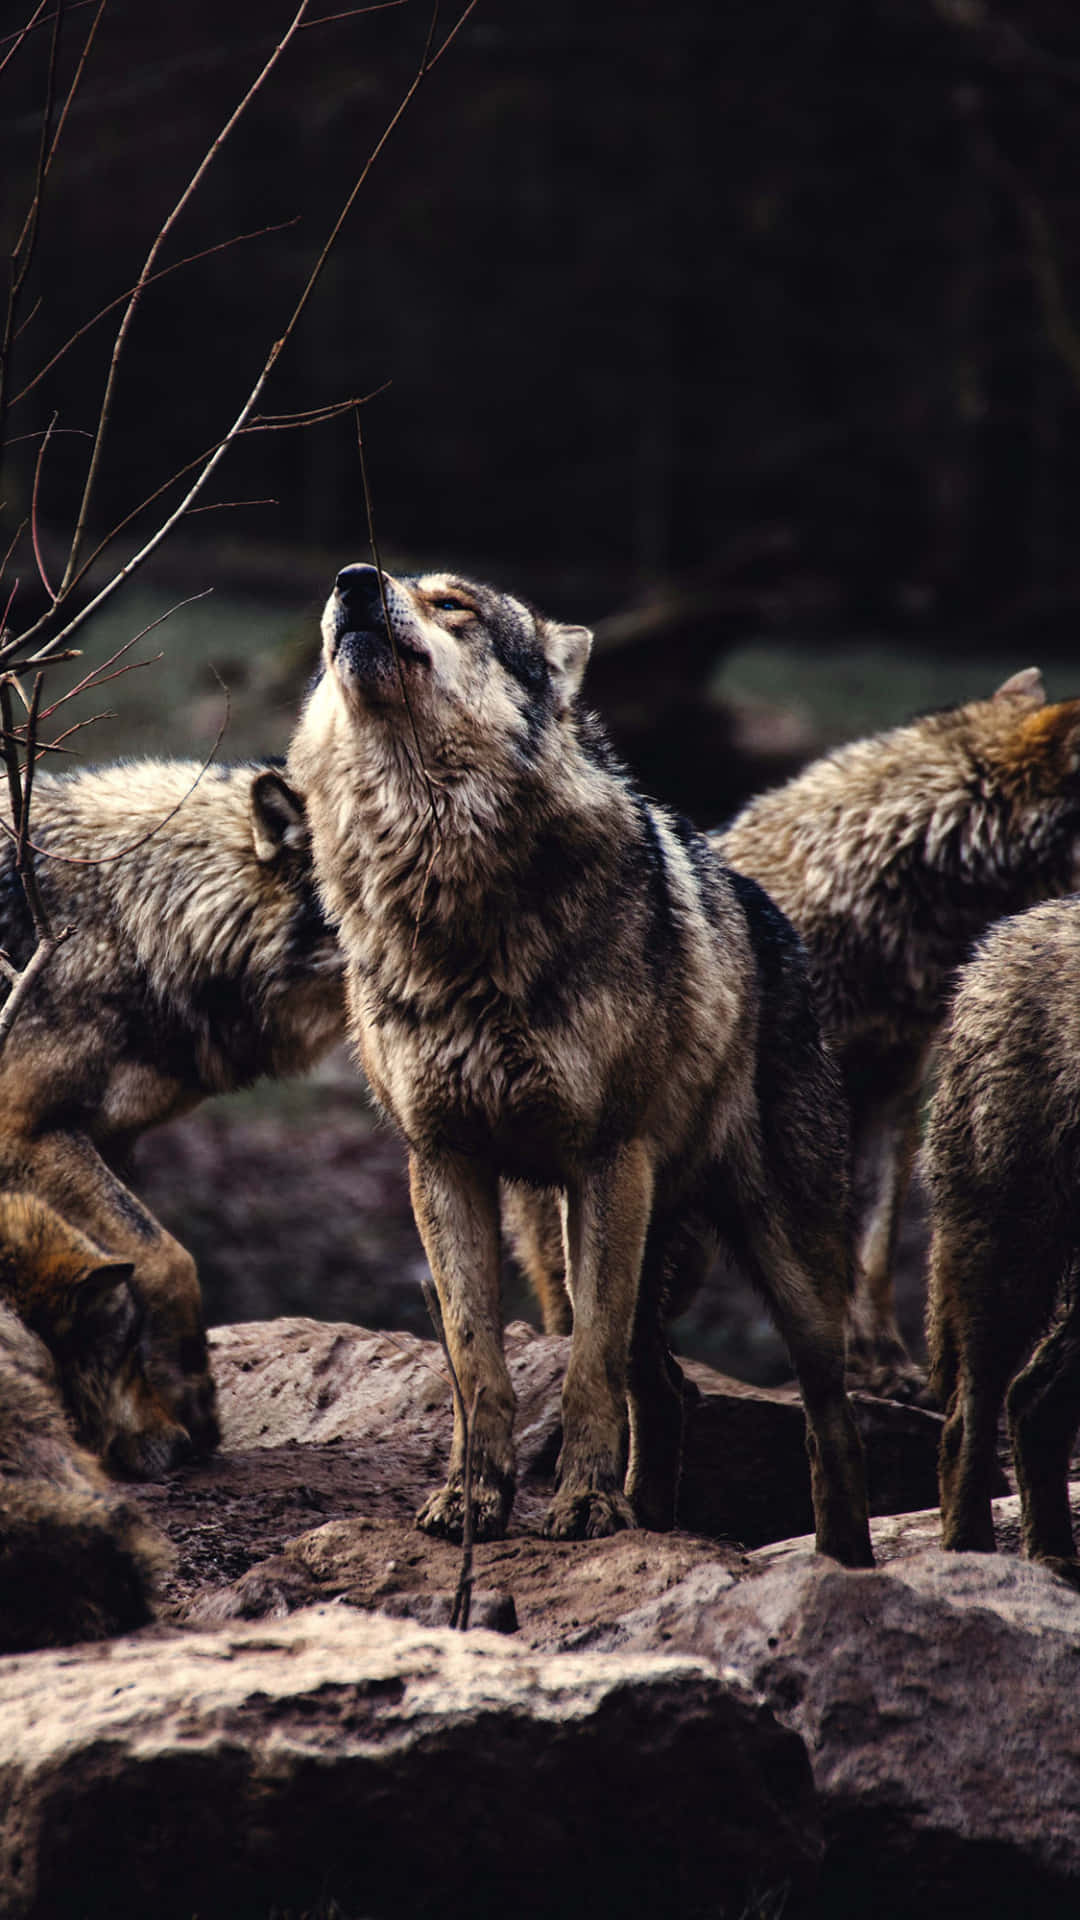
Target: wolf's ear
1025,685
567,650
278,820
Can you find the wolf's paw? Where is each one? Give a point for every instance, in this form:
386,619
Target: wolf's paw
587,1515
444,1513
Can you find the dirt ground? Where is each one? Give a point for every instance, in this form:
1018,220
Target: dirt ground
260,1533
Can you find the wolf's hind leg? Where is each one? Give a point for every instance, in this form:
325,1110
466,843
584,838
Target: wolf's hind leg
1044,1413
607,1221
532,1221
455,1201
677,1258
810,1315
884,1141
984,1312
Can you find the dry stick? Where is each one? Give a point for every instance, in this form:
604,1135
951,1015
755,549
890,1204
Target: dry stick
34,537
25,247
428,62
18,37
106,859
459,1613
105,411
189,260
20,788
22,640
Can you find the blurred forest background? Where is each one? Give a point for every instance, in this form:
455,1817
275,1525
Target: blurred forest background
751,335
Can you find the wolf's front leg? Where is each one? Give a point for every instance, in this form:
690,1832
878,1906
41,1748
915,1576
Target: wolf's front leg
455,1201
606,1222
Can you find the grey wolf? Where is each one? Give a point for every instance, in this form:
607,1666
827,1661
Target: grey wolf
200,960
1002,1161
892,855
553,982
76,1559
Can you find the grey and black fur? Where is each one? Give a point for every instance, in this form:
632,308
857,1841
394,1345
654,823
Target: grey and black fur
1002,1161
199,960
553,982
892,855
76,1558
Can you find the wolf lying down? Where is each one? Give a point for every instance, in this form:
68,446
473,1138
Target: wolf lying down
554,982
76,1558
200,960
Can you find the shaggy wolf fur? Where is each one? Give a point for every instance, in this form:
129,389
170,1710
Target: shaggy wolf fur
76,1559
200,960
892,856
1002,1159
557,984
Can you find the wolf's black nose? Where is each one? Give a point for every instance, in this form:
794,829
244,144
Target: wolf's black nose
358,587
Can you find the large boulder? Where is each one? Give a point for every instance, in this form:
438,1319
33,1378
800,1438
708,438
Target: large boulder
345,1763
940,1707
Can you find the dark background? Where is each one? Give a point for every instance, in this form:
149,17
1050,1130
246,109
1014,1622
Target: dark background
751,333
774,302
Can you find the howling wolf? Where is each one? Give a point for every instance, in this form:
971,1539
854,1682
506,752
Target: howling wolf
1002,1161
891,856
199,960
553,982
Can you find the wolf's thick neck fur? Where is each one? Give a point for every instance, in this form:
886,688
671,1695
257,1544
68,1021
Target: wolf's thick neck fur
174,912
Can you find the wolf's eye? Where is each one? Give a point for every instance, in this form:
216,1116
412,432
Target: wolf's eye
448,604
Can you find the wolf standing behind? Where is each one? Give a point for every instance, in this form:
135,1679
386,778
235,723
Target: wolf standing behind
891,856
554,982
1003,1167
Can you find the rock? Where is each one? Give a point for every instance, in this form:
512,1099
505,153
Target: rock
745,1473
940,1707
342,1758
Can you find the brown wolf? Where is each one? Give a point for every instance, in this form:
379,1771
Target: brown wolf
554,982
200,961
76,1559
1002,1160
891,856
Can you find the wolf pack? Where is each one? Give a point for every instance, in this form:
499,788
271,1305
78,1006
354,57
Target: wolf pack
606,1038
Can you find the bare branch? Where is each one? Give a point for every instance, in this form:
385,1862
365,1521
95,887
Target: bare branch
36,964
23,252
459,1615
18,37
107,859
38,464
248,409
197,177
189,260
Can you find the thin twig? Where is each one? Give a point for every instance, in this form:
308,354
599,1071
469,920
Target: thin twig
105,411
459,1614
26,245
189,260
107,859
276,350
20,34
34,537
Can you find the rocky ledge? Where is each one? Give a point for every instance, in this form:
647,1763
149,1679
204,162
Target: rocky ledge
713,1722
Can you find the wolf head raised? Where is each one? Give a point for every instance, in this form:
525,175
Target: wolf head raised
465,665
